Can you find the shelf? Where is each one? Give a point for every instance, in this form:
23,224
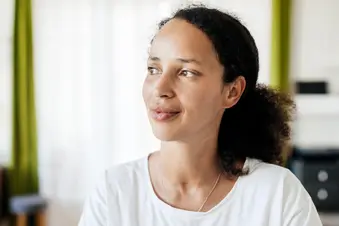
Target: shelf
317,104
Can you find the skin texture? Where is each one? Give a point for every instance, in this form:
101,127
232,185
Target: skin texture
185,77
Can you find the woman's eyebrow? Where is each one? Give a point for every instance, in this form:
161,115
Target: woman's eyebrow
153,58
182,60
189,60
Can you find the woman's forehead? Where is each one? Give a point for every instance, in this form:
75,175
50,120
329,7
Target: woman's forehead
179,37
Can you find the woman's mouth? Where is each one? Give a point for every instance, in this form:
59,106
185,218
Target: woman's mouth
164,114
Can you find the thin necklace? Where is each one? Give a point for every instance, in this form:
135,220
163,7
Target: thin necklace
209,194
212,190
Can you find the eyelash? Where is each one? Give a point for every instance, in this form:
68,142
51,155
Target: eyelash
149,69
187,71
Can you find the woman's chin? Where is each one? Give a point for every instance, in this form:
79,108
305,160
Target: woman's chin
165,135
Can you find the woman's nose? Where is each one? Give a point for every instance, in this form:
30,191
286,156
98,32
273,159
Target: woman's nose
164,87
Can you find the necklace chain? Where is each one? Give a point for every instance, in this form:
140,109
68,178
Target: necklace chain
209,194
212,190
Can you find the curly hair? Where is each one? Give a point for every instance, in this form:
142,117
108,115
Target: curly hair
258,126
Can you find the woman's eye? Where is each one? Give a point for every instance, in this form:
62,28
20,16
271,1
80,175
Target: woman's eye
187,73
152,70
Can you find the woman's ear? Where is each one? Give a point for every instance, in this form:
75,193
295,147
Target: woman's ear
233,91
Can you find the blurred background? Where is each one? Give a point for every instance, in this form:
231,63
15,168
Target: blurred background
71,73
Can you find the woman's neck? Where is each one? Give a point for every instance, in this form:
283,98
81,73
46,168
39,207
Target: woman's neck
189,164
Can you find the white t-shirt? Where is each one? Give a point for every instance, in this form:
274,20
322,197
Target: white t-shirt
268,196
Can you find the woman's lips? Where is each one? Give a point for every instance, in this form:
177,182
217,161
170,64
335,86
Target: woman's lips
163,115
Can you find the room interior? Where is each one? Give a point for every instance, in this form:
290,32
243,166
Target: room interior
70,78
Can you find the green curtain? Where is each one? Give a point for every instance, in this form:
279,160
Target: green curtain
280,55
24,172
280,44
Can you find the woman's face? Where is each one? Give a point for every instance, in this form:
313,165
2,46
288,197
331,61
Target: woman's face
184,91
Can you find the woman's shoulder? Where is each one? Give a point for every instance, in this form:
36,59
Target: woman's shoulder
277,180
258,169
120,182
130,167
279,189
273,178
127,174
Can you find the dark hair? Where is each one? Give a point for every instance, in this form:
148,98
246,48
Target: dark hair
258,126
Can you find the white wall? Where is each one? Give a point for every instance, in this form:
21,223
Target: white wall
315,39
315,52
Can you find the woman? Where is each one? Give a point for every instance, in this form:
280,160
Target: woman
221,136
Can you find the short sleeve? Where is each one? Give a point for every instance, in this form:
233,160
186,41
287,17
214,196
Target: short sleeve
307,216
299,209
95,207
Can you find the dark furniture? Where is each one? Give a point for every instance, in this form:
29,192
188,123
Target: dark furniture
4,196
318,170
